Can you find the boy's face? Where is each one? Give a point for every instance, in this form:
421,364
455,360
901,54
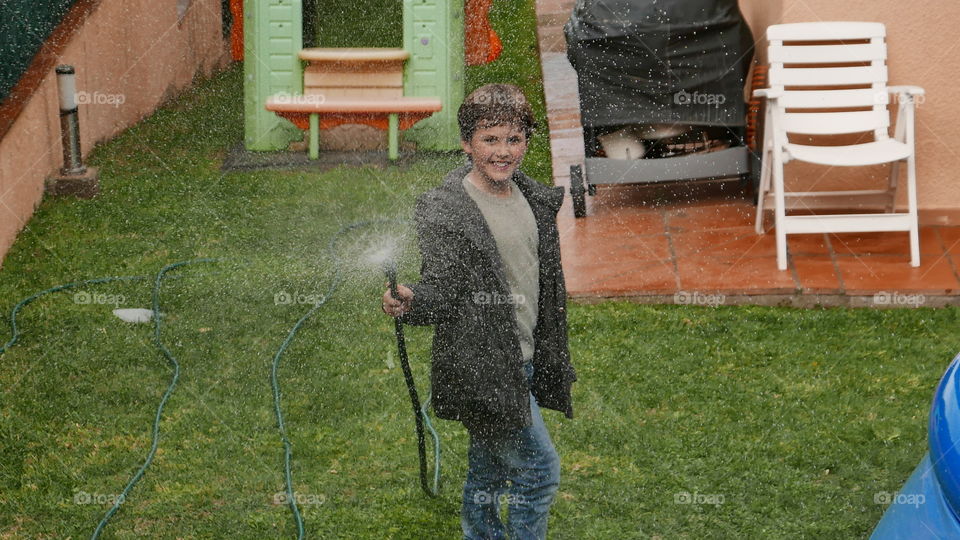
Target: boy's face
496,152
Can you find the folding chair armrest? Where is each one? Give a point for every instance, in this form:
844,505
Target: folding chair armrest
906,98
769,93
907,90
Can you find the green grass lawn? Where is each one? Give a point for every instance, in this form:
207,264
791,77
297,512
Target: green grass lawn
779,423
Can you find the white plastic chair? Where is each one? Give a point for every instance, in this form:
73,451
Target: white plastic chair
830,78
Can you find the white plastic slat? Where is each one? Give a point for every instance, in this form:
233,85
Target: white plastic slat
825,31
834,99
848,223
835,123
781,76
829,200
827,54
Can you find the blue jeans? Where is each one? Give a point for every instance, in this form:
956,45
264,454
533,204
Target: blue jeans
520,468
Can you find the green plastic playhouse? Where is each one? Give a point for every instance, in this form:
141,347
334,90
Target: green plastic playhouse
273,37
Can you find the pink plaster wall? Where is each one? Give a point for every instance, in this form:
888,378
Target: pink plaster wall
760,14
137,51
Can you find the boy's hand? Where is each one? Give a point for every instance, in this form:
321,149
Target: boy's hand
394,307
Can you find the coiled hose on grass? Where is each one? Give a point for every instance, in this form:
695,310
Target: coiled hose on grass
274,381
156,338
163,401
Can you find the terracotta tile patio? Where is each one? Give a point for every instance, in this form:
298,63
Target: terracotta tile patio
693,249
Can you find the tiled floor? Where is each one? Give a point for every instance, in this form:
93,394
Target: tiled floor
705,250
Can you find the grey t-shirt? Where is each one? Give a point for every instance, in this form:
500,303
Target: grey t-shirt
515,231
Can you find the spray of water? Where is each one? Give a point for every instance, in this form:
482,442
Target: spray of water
380,250
381,256
365,255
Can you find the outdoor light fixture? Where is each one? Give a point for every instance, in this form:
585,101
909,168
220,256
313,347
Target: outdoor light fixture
74,178
69,121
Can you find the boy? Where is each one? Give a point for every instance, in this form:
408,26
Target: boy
492,285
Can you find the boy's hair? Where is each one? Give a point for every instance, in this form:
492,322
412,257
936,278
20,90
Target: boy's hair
495,105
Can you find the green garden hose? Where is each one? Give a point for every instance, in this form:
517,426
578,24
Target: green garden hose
170,359
21,304
173,383
419,412
274,381
287,449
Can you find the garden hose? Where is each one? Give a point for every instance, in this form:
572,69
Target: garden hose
21,304
390,269
170,359
287,447
173,383
420,411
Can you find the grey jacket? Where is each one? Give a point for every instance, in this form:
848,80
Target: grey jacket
477,373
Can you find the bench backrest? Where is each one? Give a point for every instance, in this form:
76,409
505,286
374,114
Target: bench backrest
347,77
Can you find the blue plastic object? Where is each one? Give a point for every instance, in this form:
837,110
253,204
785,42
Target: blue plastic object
927,505
918,511
945,434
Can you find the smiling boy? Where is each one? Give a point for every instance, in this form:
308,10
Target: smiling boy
492,285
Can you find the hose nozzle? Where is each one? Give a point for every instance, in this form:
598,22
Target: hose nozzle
390,269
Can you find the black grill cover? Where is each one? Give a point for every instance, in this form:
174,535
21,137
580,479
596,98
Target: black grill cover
660,61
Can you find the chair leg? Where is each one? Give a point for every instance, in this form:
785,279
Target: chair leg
781,248
914,245
780,212
758,224
900,134
762,190
892,188
912,210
